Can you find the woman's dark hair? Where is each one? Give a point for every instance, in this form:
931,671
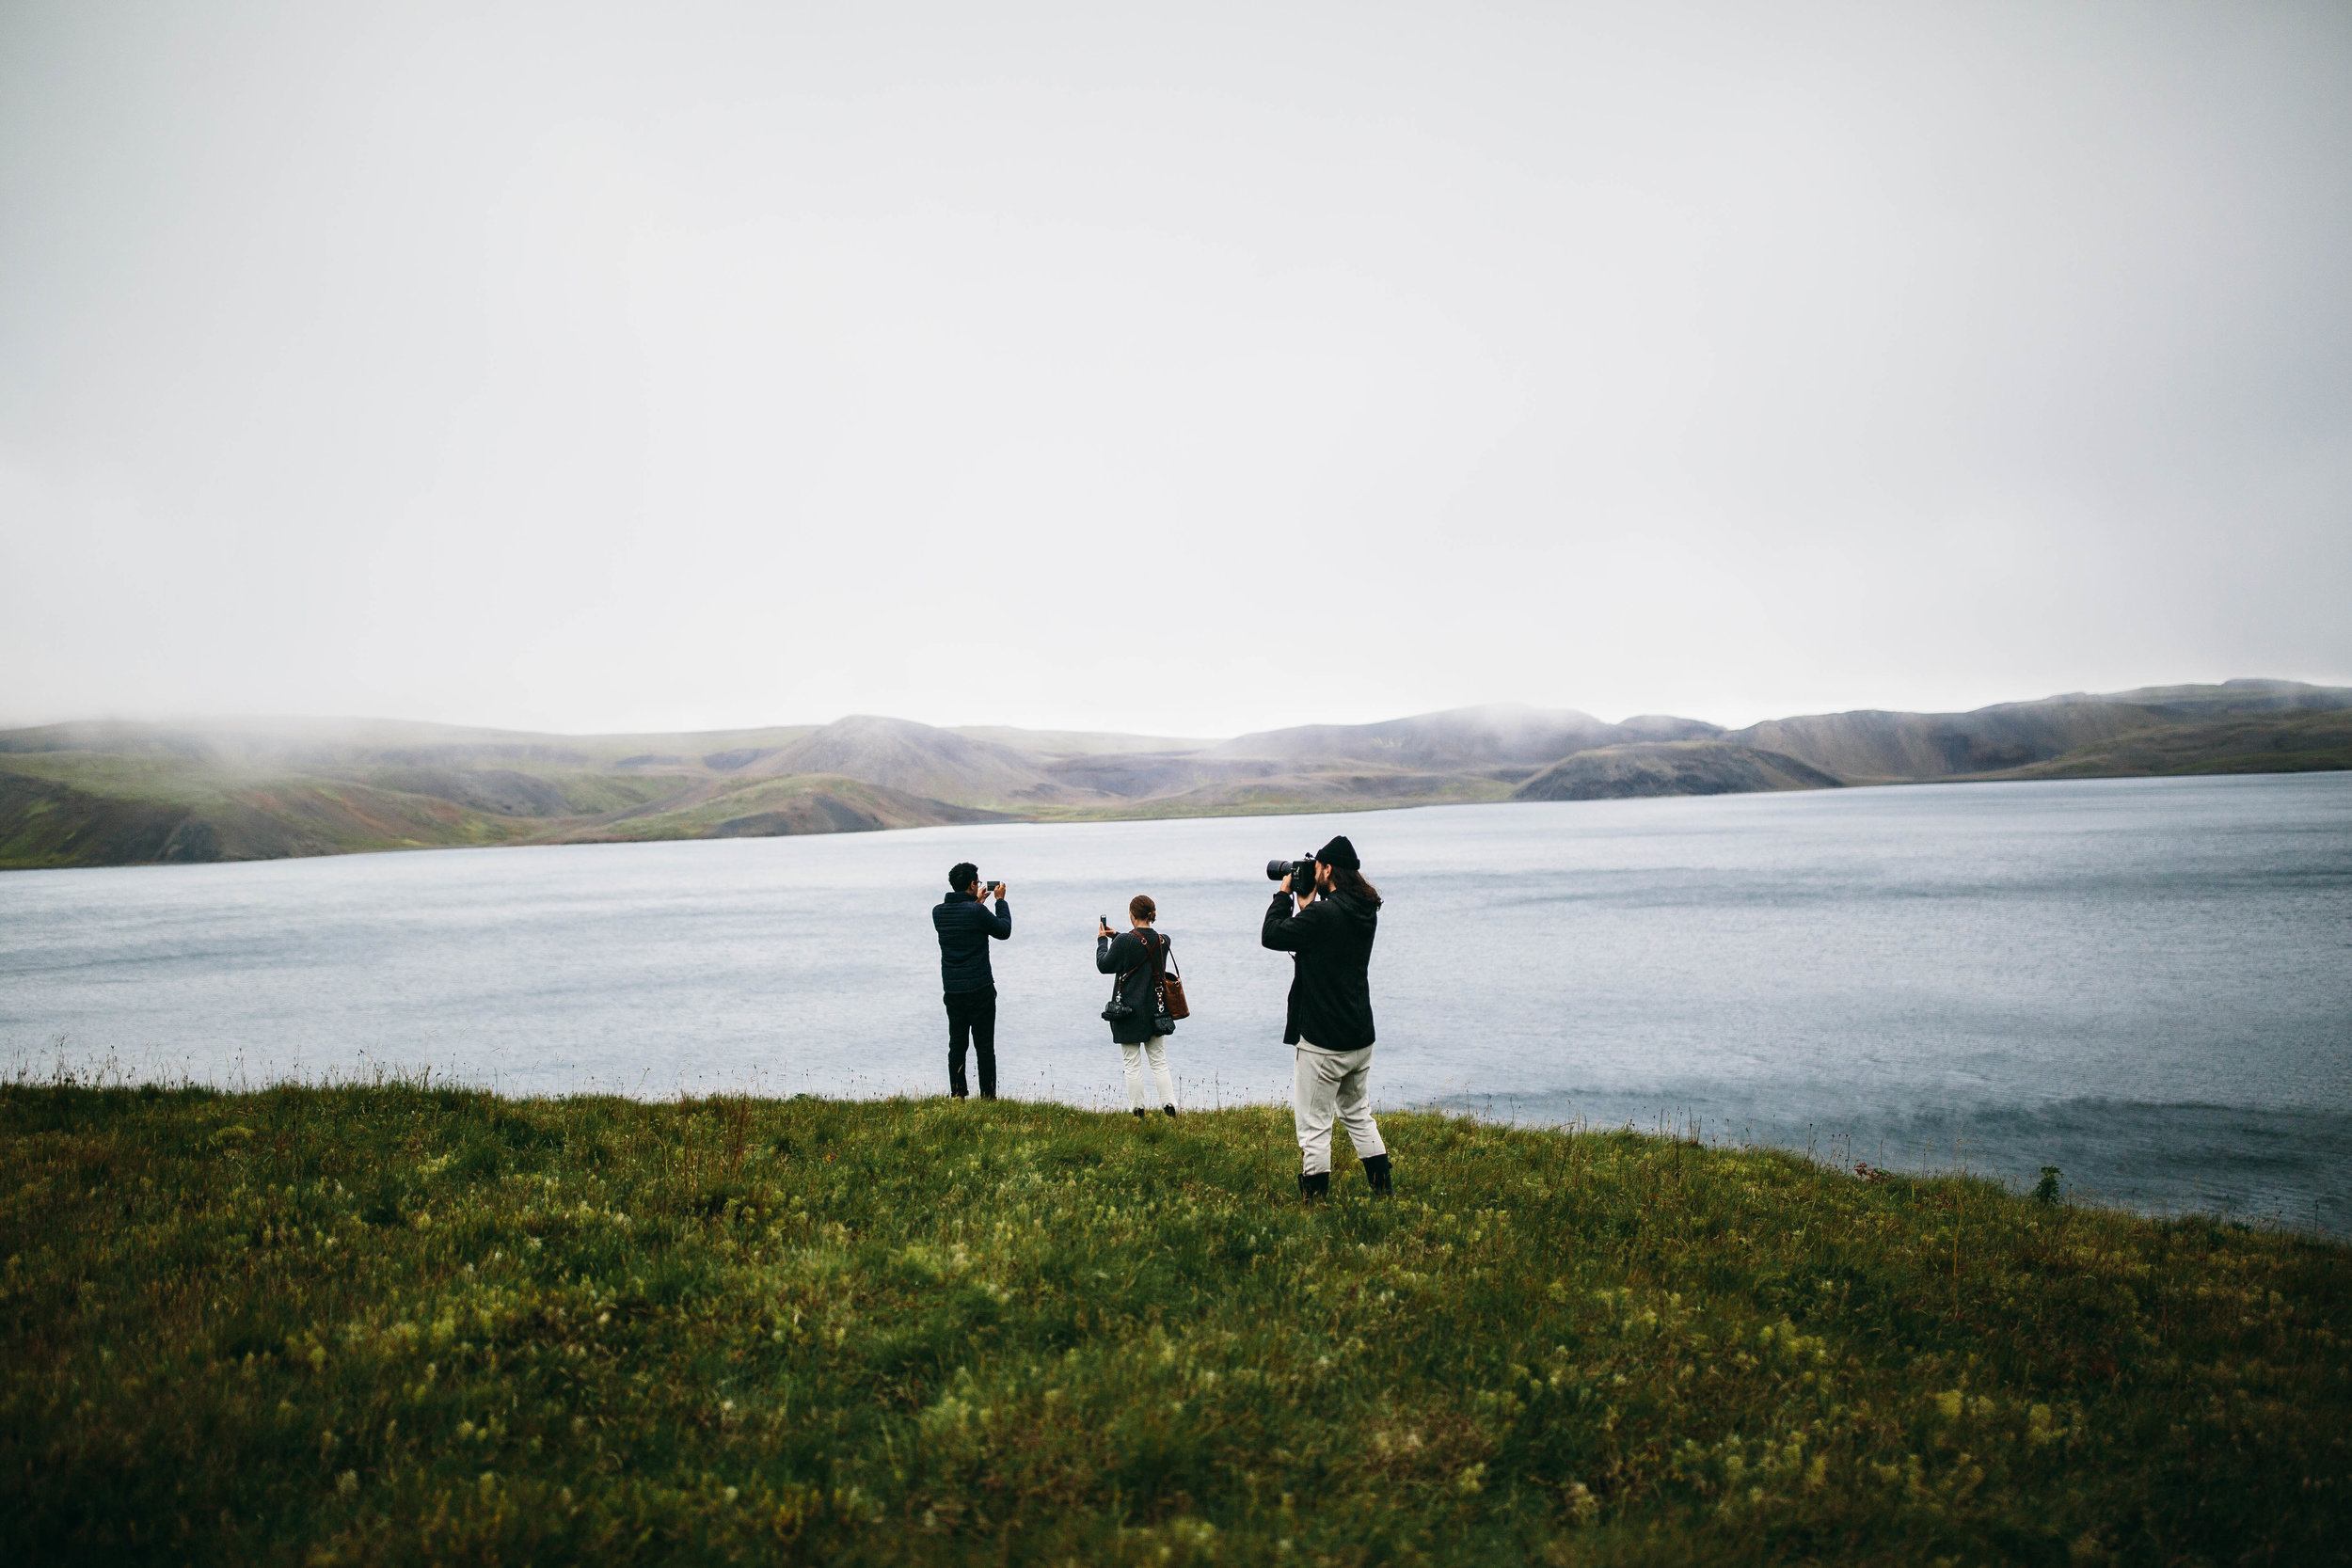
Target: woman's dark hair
1344,880
1141,906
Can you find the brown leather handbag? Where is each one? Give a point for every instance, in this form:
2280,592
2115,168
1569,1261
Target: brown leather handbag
1172,984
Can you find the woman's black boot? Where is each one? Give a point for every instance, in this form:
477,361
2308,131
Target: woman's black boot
1169,1109
1139,1113
1317,1185
1377,1173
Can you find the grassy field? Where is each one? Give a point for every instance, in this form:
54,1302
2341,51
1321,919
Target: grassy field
397,1324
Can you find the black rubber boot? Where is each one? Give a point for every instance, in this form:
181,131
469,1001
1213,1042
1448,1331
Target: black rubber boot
1139,1113
1317,1185
1169,1109
1377,1173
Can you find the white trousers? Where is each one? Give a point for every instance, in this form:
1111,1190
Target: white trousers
1167,1085
1327,1084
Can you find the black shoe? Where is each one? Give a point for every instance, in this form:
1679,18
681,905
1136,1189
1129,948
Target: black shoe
1169,1109
985,1095
1377,1173
1317,1185
1139,1113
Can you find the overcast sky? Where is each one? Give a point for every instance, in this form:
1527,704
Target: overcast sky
1185,369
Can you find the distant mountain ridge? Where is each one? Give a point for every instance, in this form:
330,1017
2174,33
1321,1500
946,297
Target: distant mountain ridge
112,793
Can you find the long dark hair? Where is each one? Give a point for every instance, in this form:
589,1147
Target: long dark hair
1344,880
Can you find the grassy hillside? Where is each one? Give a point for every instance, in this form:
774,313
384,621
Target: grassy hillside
79,810
2254,743
389,1325
768,808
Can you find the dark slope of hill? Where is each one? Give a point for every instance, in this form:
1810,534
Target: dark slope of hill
1670,768
1875,747
2261,742
1870,747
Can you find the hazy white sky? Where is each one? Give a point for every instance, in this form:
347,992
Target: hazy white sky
682,366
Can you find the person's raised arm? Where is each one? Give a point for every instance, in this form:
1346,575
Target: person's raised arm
1107,953
1001,927
1286,932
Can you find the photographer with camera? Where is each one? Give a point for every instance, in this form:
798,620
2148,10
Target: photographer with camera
1138,1013
967,984
1329,937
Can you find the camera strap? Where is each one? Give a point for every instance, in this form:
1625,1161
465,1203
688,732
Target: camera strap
1118,981
1155,947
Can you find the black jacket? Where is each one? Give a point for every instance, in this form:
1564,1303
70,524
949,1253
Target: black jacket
1119,955
965,925
1331,946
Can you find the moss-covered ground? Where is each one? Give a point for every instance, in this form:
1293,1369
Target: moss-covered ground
403,1325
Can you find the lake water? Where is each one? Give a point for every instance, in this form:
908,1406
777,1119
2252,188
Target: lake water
2145,982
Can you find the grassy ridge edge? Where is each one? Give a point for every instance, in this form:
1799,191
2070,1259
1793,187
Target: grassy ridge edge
391,1324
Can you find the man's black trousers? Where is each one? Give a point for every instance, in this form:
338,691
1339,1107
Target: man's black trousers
972,1019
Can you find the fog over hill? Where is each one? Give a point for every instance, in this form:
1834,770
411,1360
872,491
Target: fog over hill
120,793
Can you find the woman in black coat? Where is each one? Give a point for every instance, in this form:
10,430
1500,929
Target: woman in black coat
1138,957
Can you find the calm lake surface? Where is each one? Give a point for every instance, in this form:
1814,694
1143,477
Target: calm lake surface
2145,982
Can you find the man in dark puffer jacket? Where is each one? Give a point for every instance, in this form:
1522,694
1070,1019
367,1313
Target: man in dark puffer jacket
967,984
1329,1026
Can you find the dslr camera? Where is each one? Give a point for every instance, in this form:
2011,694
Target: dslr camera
1300,872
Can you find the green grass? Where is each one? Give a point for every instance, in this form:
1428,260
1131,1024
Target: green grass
140,776
394,1324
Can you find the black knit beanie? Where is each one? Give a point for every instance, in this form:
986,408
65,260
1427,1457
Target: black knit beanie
1341,853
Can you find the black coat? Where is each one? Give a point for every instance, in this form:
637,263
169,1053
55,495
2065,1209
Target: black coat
1126,954
1331,946
965,926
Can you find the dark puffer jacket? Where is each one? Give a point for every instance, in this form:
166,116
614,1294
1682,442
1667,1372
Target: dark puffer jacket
1331,946
965,926
1127,954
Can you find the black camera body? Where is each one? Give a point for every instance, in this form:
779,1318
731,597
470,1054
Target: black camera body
1300,872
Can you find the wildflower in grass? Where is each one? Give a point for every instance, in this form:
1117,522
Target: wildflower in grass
1947,1404
347,1484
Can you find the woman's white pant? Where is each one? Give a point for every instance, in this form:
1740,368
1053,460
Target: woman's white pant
1167,1085
1327,1084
